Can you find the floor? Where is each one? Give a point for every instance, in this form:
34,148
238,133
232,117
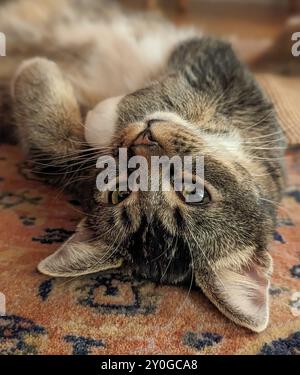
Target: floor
251,28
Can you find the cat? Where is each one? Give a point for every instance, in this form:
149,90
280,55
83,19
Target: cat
90,80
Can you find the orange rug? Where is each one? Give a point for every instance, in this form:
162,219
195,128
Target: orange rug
111,313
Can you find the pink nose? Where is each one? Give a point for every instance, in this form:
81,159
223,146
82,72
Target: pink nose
145,138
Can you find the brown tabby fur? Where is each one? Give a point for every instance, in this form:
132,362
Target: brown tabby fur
203,101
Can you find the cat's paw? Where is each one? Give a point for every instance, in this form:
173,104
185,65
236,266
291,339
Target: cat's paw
45,107
32,73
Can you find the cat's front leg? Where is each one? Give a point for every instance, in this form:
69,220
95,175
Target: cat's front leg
47,116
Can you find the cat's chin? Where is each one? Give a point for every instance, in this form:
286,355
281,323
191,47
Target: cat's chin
162,266
166,277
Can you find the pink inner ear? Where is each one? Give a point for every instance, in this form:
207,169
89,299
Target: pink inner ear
255,273
241,294
244,295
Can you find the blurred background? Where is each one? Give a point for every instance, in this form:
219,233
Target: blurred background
252,25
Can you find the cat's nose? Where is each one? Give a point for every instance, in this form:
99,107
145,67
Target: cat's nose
145,138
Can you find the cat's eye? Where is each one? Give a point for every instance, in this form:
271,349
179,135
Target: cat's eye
116,196
195,196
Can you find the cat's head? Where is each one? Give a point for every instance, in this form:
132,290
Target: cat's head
220,241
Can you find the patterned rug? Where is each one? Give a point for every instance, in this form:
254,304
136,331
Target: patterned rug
110,313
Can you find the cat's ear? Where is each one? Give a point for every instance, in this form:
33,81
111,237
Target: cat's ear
79,255
240,293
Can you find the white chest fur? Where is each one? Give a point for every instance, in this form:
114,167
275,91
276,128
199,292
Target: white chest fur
101,122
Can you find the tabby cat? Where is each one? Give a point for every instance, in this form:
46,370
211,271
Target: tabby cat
91,80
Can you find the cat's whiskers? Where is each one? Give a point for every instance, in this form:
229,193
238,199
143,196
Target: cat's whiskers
82,212
216,100
204,255
64,186
80,152
265,158
163,252
171,257
263,142
266,148
66,172
266,135
284,209
75,177
261,120
260,175
119,238
76,155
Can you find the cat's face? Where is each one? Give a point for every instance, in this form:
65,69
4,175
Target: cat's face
220,242
159,231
